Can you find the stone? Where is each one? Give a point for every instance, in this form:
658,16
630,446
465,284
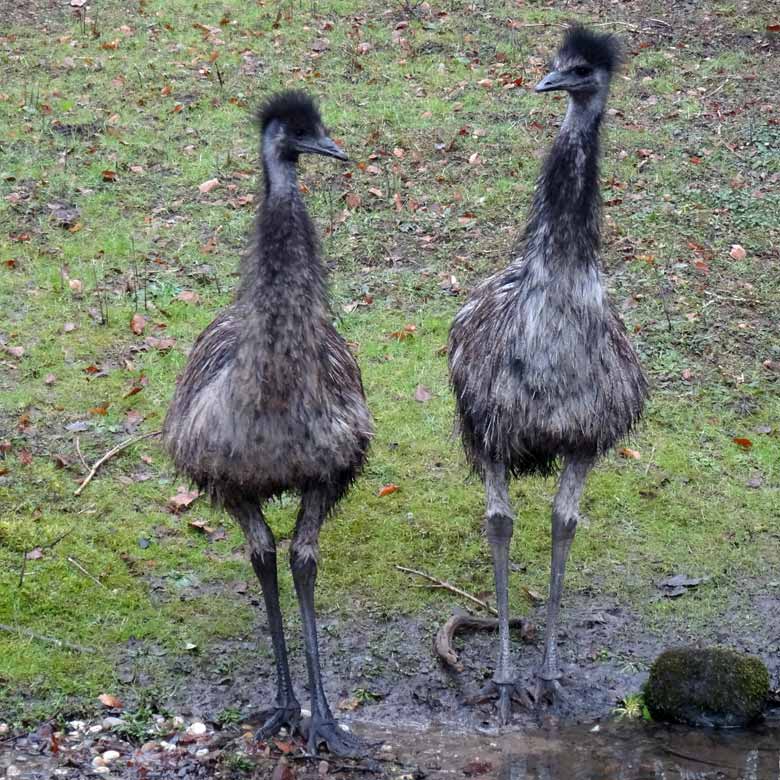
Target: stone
12,771
197,729
110,755
112,722
713,687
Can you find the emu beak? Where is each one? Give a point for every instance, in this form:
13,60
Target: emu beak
553,80
323,145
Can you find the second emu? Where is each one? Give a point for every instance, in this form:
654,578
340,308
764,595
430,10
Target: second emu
271,400
540,363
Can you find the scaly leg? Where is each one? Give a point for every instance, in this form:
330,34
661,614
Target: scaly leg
287,712
323,728
499,522
564,525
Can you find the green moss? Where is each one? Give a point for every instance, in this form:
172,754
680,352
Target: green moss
707,687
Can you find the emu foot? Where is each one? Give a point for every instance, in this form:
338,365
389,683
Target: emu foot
548,690
277,718
319,731
504,694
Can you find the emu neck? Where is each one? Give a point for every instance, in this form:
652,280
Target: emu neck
564,224
283,266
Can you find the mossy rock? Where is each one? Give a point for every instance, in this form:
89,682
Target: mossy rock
707,687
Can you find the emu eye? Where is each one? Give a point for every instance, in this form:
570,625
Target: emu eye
300,132
583,70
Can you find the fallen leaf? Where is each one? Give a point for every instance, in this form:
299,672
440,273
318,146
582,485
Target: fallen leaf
35,554
109,175
352,200
188,296
208,186
687,374
201,525
376,192
533,596
16,352
628,453
161,345
678,584
422,394
68,327
101,409
405,333
182,500
386,490
737,252
75,285
137,324
25,457
773,28
475,159
746,444
50,379
108,700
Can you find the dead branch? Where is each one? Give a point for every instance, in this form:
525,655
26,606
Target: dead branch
43,638
442,644
437,583
110,454
94,579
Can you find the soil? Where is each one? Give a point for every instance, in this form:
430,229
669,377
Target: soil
383,680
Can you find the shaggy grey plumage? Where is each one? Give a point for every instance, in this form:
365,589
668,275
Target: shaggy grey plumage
271,399
540,363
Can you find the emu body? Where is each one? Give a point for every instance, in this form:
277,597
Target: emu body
271,400
540,363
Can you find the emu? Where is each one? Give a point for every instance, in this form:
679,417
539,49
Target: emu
271,400
543,373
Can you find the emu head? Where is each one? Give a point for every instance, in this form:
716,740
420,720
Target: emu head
291,125
583,65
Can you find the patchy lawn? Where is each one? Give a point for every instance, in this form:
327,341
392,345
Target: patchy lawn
112,260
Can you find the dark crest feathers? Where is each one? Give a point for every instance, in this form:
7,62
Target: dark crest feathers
600,51
293,107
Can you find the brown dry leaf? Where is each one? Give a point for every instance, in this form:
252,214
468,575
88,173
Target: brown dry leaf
376,192
188,296
25,457
629,454
109,175
737,252
68,327
208,186
475,159
352,200
16,352
109,700
399,152
687,374
5,446
75,285
136,168
485,83
161,345
532,595
209,246
200,525
110,45
740,441
101,409
406,332
386,490
50,379
182,500
137,324
422,394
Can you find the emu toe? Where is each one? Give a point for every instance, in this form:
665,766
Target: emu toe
326,731
277,718
548,691
504,694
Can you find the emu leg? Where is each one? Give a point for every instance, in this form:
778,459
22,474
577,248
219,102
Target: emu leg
499,522
564,525
287,712
322,727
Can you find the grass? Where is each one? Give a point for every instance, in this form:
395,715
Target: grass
160,96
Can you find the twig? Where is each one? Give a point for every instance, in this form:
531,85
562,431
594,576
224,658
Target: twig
43,638
659,21
47,546
94,579
110,454
81,457
737,298
442,644
448,586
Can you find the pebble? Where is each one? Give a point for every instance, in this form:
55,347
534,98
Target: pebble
102,770
322,769
202,752
111,755
112,722
12,771
96,729
98,761
197,729
77,725
177,721
3,728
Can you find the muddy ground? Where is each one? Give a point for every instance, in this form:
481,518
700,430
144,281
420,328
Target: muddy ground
383,679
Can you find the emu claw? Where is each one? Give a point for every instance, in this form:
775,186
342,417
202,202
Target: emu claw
504,693
276,718
548,691
338,741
